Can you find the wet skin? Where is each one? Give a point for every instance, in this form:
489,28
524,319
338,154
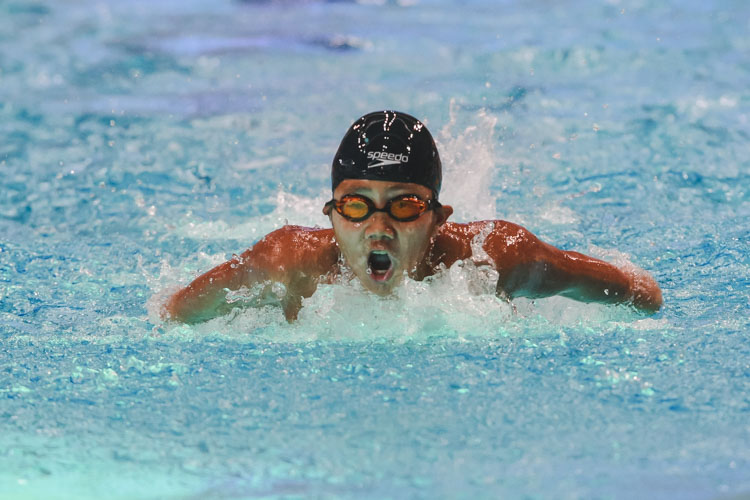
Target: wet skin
302,258
403,245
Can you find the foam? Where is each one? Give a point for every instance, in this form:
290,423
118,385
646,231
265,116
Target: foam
457,304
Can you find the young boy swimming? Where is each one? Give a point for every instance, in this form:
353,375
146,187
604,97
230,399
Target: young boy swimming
387,224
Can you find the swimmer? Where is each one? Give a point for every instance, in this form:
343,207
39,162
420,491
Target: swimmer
387,224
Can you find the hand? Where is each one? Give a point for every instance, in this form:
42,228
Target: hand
645,292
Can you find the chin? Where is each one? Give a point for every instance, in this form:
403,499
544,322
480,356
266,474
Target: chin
381,292
381,287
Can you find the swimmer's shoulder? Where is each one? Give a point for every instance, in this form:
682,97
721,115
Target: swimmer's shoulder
500,239
463,233
297,249
306,238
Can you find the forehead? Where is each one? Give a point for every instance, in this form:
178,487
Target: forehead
386,189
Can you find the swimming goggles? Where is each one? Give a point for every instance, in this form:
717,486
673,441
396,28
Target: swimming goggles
404,208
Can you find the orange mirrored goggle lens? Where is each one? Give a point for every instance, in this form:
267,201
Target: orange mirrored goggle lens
406,208
353,208
403,208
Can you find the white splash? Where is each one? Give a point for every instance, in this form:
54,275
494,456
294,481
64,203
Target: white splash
468,158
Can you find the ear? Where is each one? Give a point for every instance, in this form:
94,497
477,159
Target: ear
327,208
442,214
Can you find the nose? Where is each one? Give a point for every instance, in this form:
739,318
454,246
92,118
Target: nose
379,227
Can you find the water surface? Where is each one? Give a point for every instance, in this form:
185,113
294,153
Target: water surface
145,142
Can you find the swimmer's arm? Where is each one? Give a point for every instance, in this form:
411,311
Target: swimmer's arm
205,297
292,256
534,269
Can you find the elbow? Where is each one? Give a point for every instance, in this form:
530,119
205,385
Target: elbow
534,280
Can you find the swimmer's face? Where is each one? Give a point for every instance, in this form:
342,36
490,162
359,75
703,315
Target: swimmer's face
380,250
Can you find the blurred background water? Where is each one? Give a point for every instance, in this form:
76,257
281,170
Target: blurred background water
143,142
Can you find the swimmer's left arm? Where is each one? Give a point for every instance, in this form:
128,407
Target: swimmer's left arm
588,279
529,267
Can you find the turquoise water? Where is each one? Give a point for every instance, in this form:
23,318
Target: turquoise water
144,142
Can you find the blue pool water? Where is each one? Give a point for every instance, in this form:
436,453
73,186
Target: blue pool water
143,142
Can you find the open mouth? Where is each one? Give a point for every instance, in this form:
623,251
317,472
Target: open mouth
379,265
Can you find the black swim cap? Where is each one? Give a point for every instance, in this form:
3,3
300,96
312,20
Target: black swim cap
388,146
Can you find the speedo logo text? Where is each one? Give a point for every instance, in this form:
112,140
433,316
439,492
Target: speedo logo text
382,159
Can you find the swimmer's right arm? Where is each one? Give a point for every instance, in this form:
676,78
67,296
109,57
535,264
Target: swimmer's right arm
292,256
205,297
